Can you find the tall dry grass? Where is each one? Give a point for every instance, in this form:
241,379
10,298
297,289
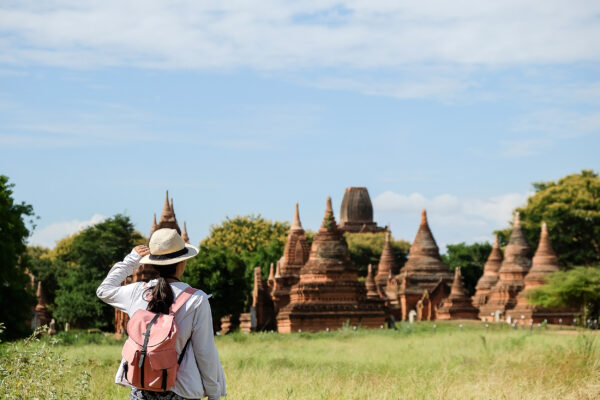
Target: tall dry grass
413,362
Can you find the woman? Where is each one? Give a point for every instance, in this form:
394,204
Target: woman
200,373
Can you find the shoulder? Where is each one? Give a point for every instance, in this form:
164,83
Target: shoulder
197,299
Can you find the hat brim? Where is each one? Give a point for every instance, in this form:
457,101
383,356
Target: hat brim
192,251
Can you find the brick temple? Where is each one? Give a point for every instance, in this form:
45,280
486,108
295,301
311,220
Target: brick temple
356,212
423,278
503,295
490,275
328,293
544,262
458,304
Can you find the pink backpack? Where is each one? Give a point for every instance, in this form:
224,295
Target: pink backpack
150,355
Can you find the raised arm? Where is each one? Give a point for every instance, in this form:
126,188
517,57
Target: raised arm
110,290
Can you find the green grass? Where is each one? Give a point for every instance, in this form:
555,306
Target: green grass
413,362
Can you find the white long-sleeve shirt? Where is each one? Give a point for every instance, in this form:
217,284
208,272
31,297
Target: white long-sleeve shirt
200,373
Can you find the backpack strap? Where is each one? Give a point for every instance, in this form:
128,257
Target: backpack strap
181,299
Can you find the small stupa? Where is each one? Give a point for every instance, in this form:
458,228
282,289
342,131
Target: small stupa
490,275
328,293
424,270
503,295
457,305
42,314
370,285
387,264
544,263
287,271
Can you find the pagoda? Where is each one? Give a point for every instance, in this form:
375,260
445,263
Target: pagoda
544,263
424,270
41,314
356,212
387,264
295,255
503,295
457,305
328,293
261,316
490,275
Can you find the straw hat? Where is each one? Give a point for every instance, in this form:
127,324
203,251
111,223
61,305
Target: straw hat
167,247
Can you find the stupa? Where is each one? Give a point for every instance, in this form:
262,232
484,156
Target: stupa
356,212
370,285
490,275
41,315
287,272
544,263
261,316
387,264
328,293
457,305
503,295
424,270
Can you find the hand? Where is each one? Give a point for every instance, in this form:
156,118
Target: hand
142,250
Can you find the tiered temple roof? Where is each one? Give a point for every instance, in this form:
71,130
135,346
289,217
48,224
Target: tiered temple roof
503,296
356,211
457,305
544,263
490,275
424,270
328,293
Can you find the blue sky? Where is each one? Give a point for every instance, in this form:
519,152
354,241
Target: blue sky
240,109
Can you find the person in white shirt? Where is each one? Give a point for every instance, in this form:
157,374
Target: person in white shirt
200,373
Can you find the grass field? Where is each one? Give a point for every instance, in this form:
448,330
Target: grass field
413,362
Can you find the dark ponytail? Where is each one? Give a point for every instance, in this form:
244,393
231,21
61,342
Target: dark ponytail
162,295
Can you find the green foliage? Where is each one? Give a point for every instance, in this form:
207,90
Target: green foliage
34,370
245,233
578,288
15,299
571,209
84,260
365,249
224,267
471,258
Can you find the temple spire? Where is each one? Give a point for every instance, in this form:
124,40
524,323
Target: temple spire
271,273
166,208
387,262
154,225
184,234
517,220
370,284
296,224
329,220
423,217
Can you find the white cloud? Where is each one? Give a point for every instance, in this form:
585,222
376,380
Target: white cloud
275,34
453,219
50,234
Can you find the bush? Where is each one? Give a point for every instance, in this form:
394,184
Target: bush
31,369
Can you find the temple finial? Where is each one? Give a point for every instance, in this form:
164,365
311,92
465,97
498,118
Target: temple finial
329,208
423,216
517,221
184,234
495,245
296,222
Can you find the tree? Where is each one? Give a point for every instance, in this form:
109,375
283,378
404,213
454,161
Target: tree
15,300
578,288
224,267
223,274
470,258
571,209
365,249
85,259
